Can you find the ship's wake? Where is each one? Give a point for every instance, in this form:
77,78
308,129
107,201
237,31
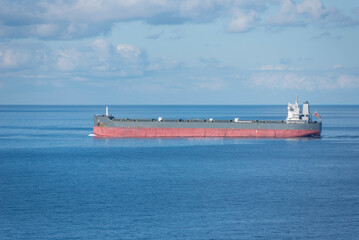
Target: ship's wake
92,135
342,136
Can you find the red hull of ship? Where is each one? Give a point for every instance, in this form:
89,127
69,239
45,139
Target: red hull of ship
200,132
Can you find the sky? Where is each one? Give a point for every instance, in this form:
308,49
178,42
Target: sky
179,52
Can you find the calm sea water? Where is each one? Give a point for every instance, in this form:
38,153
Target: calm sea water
57,182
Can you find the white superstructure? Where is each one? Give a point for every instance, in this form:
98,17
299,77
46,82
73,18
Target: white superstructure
295,115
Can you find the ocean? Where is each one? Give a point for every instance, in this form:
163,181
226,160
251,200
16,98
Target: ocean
57,181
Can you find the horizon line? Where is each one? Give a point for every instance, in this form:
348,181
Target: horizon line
17,104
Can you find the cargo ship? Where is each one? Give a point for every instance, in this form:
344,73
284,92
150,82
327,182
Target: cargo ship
297,124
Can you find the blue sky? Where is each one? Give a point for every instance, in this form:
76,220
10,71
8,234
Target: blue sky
179,52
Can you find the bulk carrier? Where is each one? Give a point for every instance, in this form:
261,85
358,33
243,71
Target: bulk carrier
298,124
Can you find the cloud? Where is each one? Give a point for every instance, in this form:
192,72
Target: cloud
155,36
285,61
101,56
307,12
98,57
129,52
161,64
346,81
14,56
213,63
326,34
337,66
212,85
243,22
59,19
287,15
94,61
196,9
79,79
10,58
68,59
281,81
206,83
103,49
313,8
273,68
72,19
303,81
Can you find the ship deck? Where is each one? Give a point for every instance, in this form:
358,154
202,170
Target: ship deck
193,120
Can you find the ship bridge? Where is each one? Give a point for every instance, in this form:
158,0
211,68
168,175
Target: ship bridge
296,116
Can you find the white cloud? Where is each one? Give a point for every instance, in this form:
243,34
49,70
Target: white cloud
195,9
206,83
242,22
72,19
101,56
213,85
91,59
10,58
47,19
44,30
287,14
346,81
128,51
307,12
160,64
79,79
282,81
337,66
103,49
273,68
14,56
68,59
303,81
313,8
102,11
